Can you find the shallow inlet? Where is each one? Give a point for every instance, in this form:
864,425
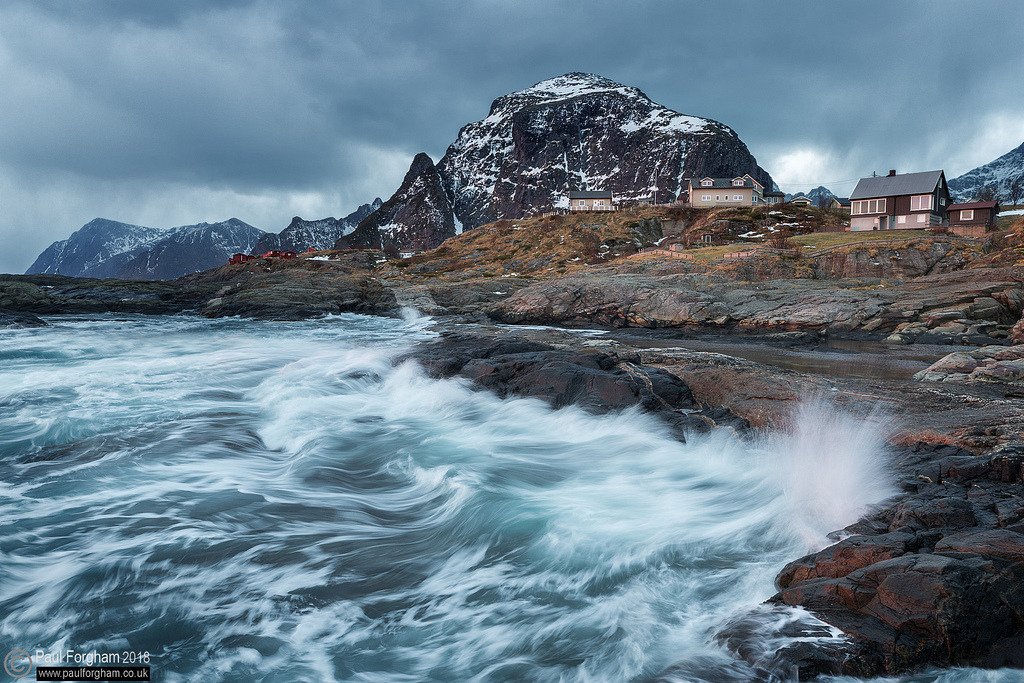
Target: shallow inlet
246,500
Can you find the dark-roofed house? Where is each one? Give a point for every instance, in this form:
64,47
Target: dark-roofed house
980,214
596,200
739,191
900,201
801,200
839,203
774,197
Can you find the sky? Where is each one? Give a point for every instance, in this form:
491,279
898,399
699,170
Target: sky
172,113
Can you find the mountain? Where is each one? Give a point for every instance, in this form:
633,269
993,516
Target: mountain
819,196
104,248
322,233
578,131
90,246
418,216
1003,178
183,250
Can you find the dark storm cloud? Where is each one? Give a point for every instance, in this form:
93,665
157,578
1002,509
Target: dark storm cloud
171,112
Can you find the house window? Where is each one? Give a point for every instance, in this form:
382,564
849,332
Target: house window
600,202
967,215
901,219
920,202
706,198
737,198
738,182
707,239
869,206
706,183
921,217
581,203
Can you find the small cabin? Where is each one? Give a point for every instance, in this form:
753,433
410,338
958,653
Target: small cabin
801,201
973,214
600,200
240,258
774,197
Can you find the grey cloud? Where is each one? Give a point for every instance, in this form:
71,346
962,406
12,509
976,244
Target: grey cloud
264,102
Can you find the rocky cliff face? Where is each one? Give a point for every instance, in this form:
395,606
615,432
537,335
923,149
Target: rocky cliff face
1004,178
322,233
574,132
104,248
418,216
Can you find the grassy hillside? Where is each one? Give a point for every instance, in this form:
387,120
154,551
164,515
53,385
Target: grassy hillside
564,243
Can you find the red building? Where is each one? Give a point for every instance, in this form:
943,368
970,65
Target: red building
240,258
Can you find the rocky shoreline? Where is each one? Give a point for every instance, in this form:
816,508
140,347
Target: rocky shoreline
933,577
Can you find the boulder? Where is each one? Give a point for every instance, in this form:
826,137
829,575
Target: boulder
994,364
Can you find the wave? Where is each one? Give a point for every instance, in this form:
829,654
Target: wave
284,502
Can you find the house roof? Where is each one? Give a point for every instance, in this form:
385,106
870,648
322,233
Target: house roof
844,201
896,185
590,194
774,194
973,205
720,183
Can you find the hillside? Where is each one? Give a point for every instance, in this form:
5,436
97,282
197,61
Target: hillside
557,244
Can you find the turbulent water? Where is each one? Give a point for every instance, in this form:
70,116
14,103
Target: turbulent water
251,501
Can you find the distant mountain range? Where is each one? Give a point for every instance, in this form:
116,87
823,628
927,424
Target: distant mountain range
1002,179
106,248
578,131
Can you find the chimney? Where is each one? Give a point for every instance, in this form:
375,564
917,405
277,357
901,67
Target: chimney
892,172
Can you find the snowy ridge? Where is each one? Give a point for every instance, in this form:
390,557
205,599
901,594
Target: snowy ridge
1003,178
105,248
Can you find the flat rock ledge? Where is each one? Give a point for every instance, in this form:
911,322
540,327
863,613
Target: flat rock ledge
596,381
934,578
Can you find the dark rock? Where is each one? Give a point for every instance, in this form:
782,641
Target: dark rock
15,319
934,578
999,543
596,381
954,513
845,557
